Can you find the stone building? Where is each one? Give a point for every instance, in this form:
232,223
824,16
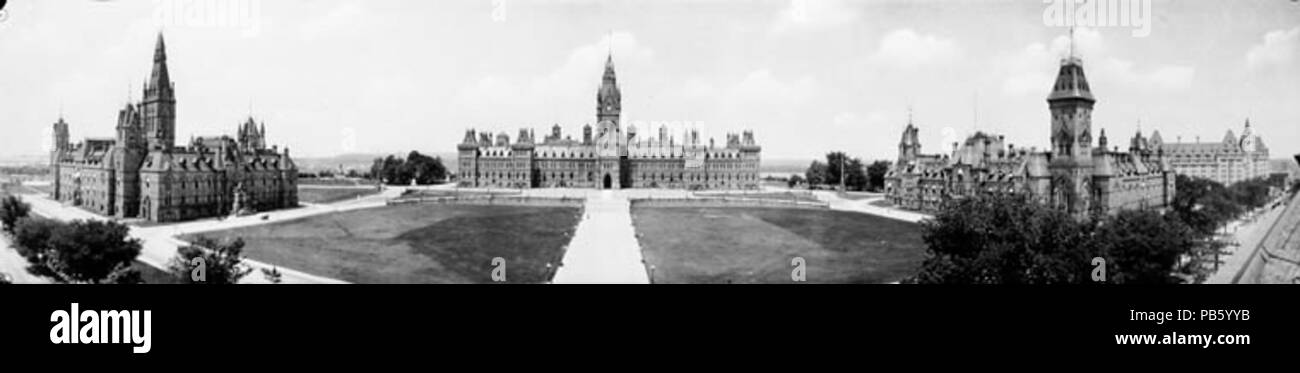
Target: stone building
1072,176
608,157
141,173
1228,161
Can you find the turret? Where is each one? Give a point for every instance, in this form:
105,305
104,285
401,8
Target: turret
909,146
128,157
1138,145
1102,143
469,137
61,145
61,141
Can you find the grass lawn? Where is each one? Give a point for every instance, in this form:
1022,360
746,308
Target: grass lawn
153,275
418,243
328,195
333,181
449,193
784,196
858,196
756,245
881,203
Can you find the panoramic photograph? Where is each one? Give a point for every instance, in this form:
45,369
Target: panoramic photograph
1042,177
630,142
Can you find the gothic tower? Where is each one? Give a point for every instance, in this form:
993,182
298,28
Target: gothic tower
61,145
1071,104
608,99
609,137
128,156
251,138
61,140
909,147
159,104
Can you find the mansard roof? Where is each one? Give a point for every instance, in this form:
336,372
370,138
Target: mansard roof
1071,82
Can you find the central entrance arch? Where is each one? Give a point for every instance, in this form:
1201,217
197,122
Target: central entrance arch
609,182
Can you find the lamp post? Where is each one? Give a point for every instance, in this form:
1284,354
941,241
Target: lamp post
843,172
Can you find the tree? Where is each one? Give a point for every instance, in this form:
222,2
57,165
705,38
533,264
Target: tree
89,250
876,175
837,164
794,181
272,275
1203,204
1007,239
856,175
423,169
124,274
32,236
816,174
1251,194
1141,246
1002,240
210,261
12,209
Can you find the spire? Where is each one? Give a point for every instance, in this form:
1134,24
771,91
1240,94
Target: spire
1070,80
159,80
607,97
609,68
1072,42
159,49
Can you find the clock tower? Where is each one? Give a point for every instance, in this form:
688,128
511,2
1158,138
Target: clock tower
609,135
1071,104
608,99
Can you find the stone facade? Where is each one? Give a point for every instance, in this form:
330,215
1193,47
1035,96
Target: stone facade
141,173
609,158
1228,161
1073,176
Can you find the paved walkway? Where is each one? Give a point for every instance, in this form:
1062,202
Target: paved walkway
864,206
1247,234
604,250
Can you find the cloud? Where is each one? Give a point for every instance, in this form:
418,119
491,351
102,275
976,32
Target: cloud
502,99
1278,49
1031,70
814,15
905,48
340,19
1161,77
761,87
580,73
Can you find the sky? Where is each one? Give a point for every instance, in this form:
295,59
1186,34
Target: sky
807,76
